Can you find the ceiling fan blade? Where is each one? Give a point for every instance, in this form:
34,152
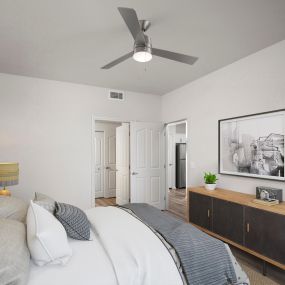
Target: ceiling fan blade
174,56
131,19
118,60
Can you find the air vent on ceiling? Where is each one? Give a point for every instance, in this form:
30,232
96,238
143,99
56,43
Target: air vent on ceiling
116,95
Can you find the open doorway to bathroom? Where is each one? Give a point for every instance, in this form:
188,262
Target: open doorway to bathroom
176,168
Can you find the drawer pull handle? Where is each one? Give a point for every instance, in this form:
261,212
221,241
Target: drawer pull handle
247,227
208,213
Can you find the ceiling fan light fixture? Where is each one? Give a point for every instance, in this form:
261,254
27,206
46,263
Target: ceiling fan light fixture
142,56
142,50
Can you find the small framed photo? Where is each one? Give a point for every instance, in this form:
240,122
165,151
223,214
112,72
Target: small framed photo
253,145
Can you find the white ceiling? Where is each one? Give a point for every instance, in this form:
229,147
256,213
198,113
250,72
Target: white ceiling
69,40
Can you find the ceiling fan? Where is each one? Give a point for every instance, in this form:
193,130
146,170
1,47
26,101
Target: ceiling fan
143,50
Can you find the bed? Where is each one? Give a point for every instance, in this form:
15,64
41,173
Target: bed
130,245
134,244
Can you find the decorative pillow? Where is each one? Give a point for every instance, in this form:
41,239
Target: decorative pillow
13,208
74,221
45,201
47,239
15,256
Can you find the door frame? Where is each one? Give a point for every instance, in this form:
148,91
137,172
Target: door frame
95,118
93,152
174,123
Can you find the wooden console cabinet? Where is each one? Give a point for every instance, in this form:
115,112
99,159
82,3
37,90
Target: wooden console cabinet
235,219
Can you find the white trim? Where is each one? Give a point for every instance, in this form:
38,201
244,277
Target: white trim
174,123
92,194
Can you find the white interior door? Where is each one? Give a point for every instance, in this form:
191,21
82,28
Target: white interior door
99,164
147,164
110,160
123,164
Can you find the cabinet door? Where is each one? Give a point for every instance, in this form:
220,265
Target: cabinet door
265,233
254,229
200,210
228,220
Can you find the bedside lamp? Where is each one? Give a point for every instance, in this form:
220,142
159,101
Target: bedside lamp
9,175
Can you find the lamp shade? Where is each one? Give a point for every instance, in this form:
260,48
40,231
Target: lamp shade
9,173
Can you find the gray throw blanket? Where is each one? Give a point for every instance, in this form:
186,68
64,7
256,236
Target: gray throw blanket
205,260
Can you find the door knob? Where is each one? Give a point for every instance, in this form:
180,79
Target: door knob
170,164
107,167
134,173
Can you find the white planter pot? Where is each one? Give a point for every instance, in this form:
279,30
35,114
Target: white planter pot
210,187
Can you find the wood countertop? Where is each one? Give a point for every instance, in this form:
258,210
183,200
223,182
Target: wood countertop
239,198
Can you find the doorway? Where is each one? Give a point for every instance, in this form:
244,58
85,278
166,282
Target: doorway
129,164
108,161
176,167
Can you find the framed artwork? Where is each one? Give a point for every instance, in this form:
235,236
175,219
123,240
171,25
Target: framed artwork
253,145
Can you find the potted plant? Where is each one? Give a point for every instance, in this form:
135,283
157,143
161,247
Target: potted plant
210,181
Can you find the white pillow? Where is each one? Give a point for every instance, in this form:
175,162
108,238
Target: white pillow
47,239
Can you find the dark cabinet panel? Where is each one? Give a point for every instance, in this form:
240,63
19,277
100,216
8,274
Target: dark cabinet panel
265,233
274,236
200,210
228,220
254,229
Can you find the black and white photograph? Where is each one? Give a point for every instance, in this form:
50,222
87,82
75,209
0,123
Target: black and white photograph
253,145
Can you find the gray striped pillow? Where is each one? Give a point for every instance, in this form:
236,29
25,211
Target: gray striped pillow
74,221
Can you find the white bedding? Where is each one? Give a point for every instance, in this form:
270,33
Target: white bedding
89,265
138,255
125,252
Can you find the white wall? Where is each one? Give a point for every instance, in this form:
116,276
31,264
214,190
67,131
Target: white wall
46,127
252,85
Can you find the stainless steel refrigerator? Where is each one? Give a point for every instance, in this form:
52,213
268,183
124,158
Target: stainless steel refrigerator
181,165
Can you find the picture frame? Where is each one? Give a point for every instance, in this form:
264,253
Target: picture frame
253,145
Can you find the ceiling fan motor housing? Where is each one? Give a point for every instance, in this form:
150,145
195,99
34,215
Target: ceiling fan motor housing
146,47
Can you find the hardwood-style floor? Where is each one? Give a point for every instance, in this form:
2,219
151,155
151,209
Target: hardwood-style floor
253,268
177,202
104,202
